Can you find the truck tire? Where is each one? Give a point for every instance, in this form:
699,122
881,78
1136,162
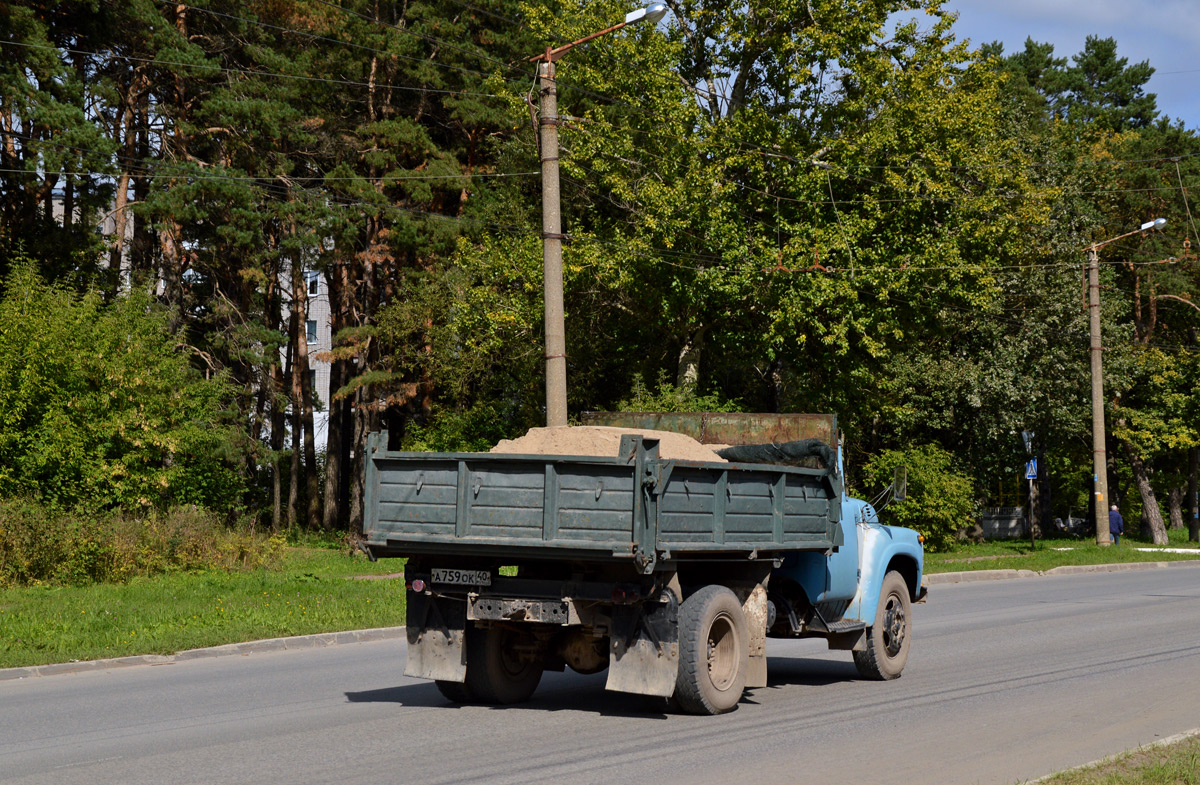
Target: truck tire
889,637
455,691
503,664
714,652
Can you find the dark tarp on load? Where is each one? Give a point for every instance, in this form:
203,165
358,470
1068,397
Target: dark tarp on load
789,453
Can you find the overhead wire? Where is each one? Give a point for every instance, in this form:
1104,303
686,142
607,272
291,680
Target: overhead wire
200,175
272,186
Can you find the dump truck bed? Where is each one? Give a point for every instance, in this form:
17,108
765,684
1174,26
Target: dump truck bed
633,507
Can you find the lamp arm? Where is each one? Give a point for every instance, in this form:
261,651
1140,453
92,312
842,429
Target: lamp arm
552,55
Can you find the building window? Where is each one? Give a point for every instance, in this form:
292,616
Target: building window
312,330
312,380
314,282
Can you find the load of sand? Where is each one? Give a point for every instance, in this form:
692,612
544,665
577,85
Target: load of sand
603,441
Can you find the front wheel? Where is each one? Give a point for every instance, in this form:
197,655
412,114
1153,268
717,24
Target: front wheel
889,637
714,652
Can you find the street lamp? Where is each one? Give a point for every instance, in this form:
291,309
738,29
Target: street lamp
1100,457
552,235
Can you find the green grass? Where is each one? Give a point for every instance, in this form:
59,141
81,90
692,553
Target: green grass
1048,554
312,591
1174,764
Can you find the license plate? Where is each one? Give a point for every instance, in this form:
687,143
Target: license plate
462,577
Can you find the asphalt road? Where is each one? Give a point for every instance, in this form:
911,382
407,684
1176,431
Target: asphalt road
1007,680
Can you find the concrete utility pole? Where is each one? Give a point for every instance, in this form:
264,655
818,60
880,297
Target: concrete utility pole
552,237
1100,457
552,233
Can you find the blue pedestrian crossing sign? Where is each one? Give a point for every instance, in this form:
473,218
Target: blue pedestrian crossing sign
1031,469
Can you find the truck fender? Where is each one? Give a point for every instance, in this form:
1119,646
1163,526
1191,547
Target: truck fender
885,548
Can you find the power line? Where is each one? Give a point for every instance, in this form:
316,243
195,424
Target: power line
250,178
281,190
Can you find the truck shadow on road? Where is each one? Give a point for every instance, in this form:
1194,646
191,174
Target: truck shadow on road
806,672
558,692
563,692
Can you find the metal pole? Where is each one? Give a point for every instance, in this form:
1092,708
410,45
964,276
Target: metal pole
552,237
1100,457
1032,543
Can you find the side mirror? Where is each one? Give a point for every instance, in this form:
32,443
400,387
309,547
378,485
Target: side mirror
900,484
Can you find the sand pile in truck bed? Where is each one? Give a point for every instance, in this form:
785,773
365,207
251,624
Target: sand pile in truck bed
604,441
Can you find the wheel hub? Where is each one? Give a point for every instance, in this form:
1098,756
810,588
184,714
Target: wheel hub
894,626
721,651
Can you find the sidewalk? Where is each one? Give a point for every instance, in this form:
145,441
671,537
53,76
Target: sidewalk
972,576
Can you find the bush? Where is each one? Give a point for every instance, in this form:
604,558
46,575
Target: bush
939,500
39,544
668,397
101,409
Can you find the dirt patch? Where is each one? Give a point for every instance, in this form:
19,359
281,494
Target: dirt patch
603,441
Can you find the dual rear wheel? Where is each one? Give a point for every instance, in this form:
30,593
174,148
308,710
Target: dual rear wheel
503,666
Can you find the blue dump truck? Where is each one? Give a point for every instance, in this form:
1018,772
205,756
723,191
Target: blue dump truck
670,574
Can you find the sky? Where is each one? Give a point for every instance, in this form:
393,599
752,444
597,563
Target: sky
1165,32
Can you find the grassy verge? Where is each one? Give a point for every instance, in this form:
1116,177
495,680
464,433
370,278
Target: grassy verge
1048,554
311,591
1173,764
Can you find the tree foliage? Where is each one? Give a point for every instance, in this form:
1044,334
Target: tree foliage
940,499
830,205
101,408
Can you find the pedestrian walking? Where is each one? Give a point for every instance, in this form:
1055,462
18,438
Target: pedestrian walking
1116,524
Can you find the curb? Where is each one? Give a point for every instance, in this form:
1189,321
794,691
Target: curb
1168,741
1070,569
319,640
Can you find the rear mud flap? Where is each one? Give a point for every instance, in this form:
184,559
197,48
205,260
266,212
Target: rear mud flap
644,652
755,608
435,638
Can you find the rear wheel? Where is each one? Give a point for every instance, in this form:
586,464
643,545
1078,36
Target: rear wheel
455,691
503,665
714,652
889,637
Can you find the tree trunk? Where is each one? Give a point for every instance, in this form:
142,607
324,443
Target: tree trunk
688,369
278,425
775,381
1175,507
340,429
330,518
303,402
141,248
1193,472
118,259
357,454
294,410
1150,510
